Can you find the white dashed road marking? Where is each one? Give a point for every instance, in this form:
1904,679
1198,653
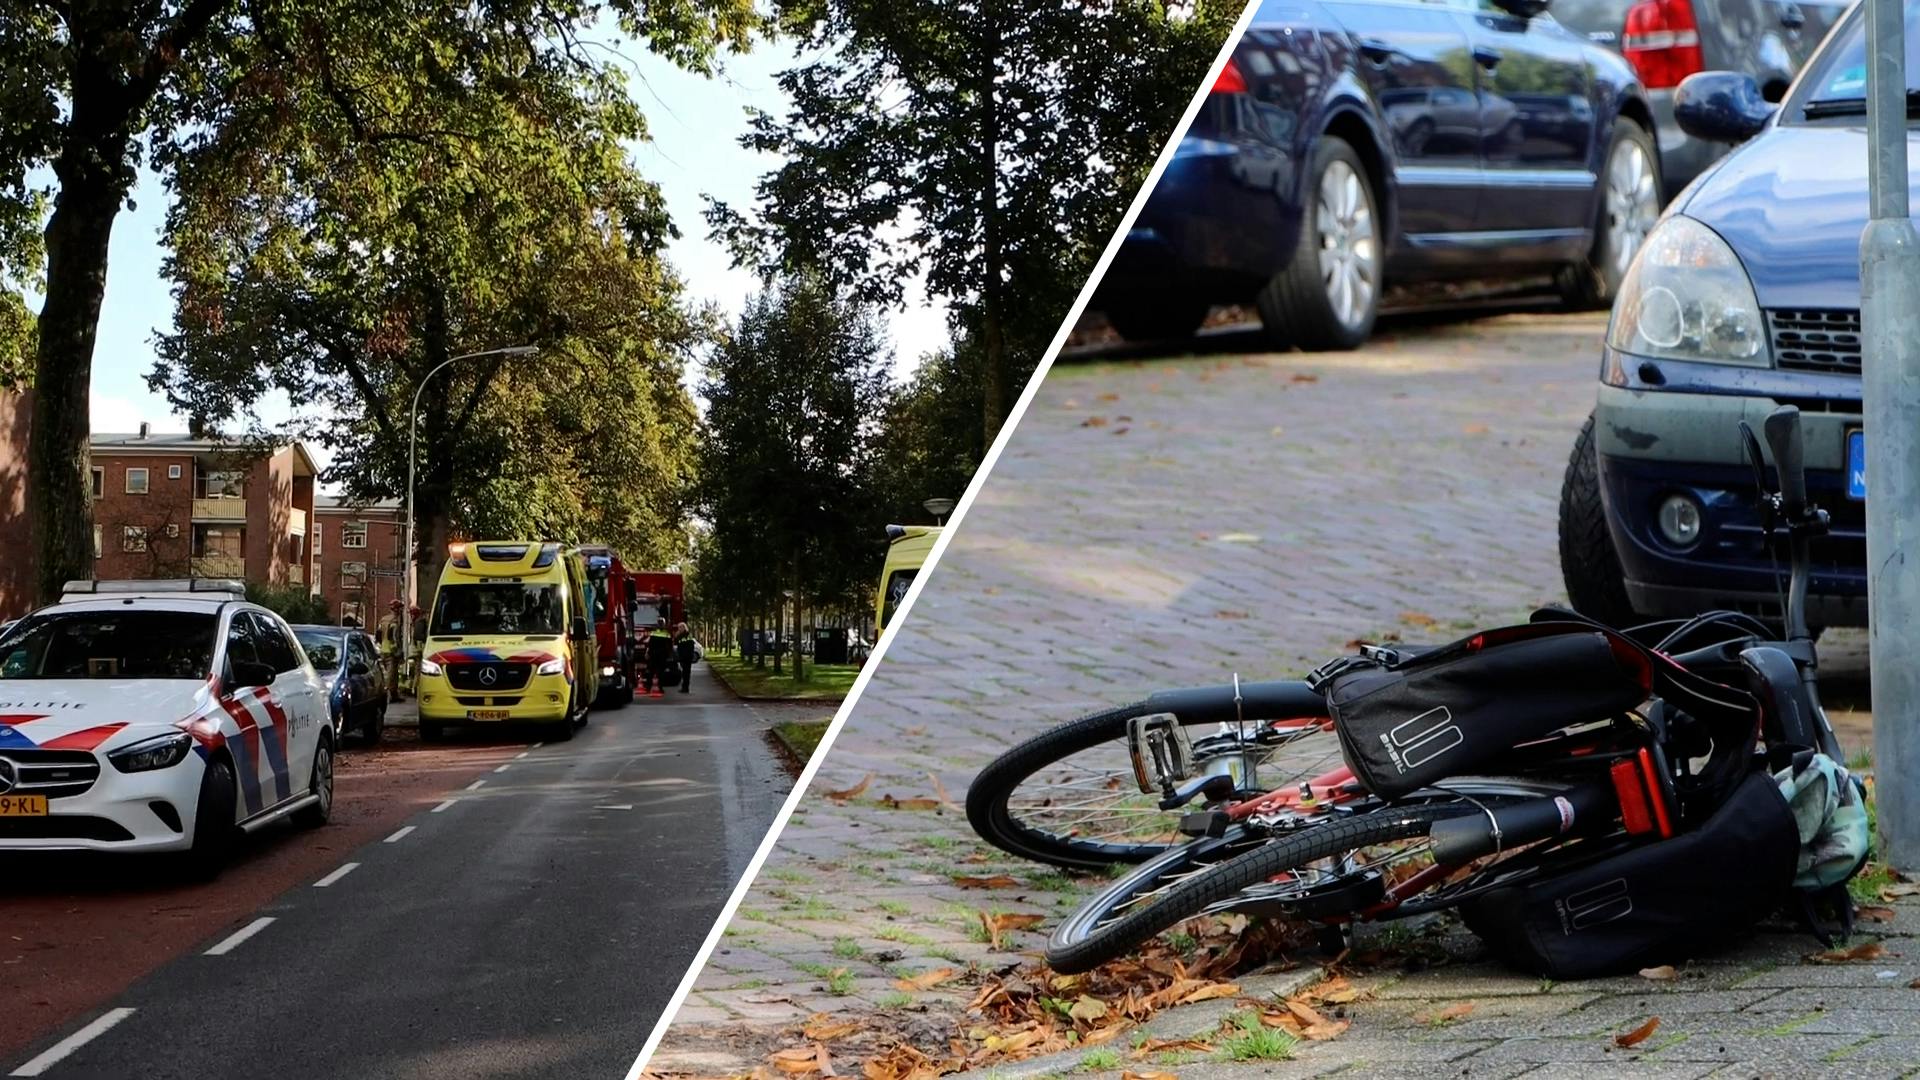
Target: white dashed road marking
75,1041
475,786
504,766
443,806
240,935
398,836
344,870
615,806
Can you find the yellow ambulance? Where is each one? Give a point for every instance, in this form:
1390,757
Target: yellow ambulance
510,639
907,549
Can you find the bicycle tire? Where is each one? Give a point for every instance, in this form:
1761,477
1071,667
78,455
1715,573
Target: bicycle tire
996,822
1081,943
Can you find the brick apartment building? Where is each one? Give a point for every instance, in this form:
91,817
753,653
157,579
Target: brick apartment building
358,557
183,505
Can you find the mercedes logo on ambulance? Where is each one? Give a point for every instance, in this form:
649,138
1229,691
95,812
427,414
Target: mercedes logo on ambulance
489,676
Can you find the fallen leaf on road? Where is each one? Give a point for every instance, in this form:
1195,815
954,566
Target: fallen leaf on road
1914,985
1094,421
1087,1008
997,881
1238,538
926,980
903,1062
1663,973
1899,889
1170,1046
853,792
940,789
996,925
892,803
1474,429
1418,618
1129,1074
1872,913
1208,993
1304,377
803,1061
821,1028
1637,1035
1870,950
1109,397
1448,1015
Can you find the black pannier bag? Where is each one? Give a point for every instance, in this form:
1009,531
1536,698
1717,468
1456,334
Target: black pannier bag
1406,721
1653,903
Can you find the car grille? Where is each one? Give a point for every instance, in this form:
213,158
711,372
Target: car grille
507,676
56,774
1812,339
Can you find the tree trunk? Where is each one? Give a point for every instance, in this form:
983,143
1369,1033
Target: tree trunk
996,391
59,502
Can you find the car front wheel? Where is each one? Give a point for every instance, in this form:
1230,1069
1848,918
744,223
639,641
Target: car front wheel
1596,585
320,784
214,830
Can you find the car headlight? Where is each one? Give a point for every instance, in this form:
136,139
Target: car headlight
428,667
159,752
1687,297
552,667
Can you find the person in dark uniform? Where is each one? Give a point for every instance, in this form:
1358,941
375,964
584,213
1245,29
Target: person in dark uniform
684,650
659,659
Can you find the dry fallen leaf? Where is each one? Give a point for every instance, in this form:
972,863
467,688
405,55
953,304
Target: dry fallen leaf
1870,950
1129,1074
892,803
1208,993
821,1028
803,1061
1087,1008
940,789
1448,1015
1663,973
853,792
926,980
996,925
1637,1035
1475,429
1094,421
997,881
1304,377
1873,913
1418,618
1899,889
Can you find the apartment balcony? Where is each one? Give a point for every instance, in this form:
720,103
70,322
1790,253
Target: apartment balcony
220,566
220,510
297,521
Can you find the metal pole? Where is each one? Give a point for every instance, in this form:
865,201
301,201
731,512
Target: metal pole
1890,388
407,585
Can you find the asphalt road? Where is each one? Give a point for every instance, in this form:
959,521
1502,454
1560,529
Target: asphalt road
531,926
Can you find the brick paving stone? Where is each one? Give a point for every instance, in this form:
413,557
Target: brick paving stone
1167,522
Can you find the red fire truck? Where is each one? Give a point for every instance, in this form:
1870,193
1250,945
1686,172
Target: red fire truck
621,645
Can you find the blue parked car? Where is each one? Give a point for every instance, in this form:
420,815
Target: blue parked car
1745,295
1353,145
349,664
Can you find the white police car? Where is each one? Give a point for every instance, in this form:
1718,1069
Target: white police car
157,716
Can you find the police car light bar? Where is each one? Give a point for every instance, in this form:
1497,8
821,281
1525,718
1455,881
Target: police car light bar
150,586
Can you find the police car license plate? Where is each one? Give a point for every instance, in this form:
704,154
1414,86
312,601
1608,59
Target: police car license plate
23,806
487,714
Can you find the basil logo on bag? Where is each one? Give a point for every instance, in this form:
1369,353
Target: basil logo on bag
1421,739
1590,907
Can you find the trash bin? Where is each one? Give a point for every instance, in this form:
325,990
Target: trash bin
829,645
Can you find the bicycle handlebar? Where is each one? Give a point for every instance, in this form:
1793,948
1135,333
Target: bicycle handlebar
1280,699
1789,459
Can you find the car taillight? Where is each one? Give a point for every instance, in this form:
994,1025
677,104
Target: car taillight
1662,42
1230,80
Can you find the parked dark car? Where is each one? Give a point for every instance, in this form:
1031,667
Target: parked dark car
1746,296
1668,40
348,661
1352,145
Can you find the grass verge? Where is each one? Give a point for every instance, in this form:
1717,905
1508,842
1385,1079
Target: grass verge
823,682
801,737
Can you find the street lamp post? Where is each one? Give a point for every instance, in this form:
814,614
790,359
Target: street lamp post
1890,389
413,452
939,508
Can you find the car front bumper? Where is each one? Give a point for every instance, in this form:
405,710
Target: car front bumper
544,699
1683,438
144,811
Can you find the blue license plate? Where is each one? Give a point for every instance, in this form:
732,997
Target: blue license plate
1856,464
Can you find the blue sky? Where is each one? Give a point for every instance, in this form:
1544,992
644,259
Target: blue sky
695,124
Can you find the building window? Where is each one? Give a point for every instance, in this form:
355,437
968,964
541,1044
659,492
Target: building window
133,537
137,483
173,531
218,540
353,575
223,484
173,472
317,530
353,534
99,481
350,613
99,549
299,548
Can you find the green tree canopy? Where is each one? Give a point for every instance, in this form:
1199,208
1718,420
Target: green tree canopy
794,393
990,145
87,88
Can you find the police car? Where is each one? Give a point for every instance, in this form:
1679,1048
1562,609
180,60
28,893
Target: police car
158,716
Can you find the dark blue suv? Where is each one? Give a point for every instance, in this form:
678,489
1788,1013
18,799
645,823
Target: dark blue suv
1354,145
1745,296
